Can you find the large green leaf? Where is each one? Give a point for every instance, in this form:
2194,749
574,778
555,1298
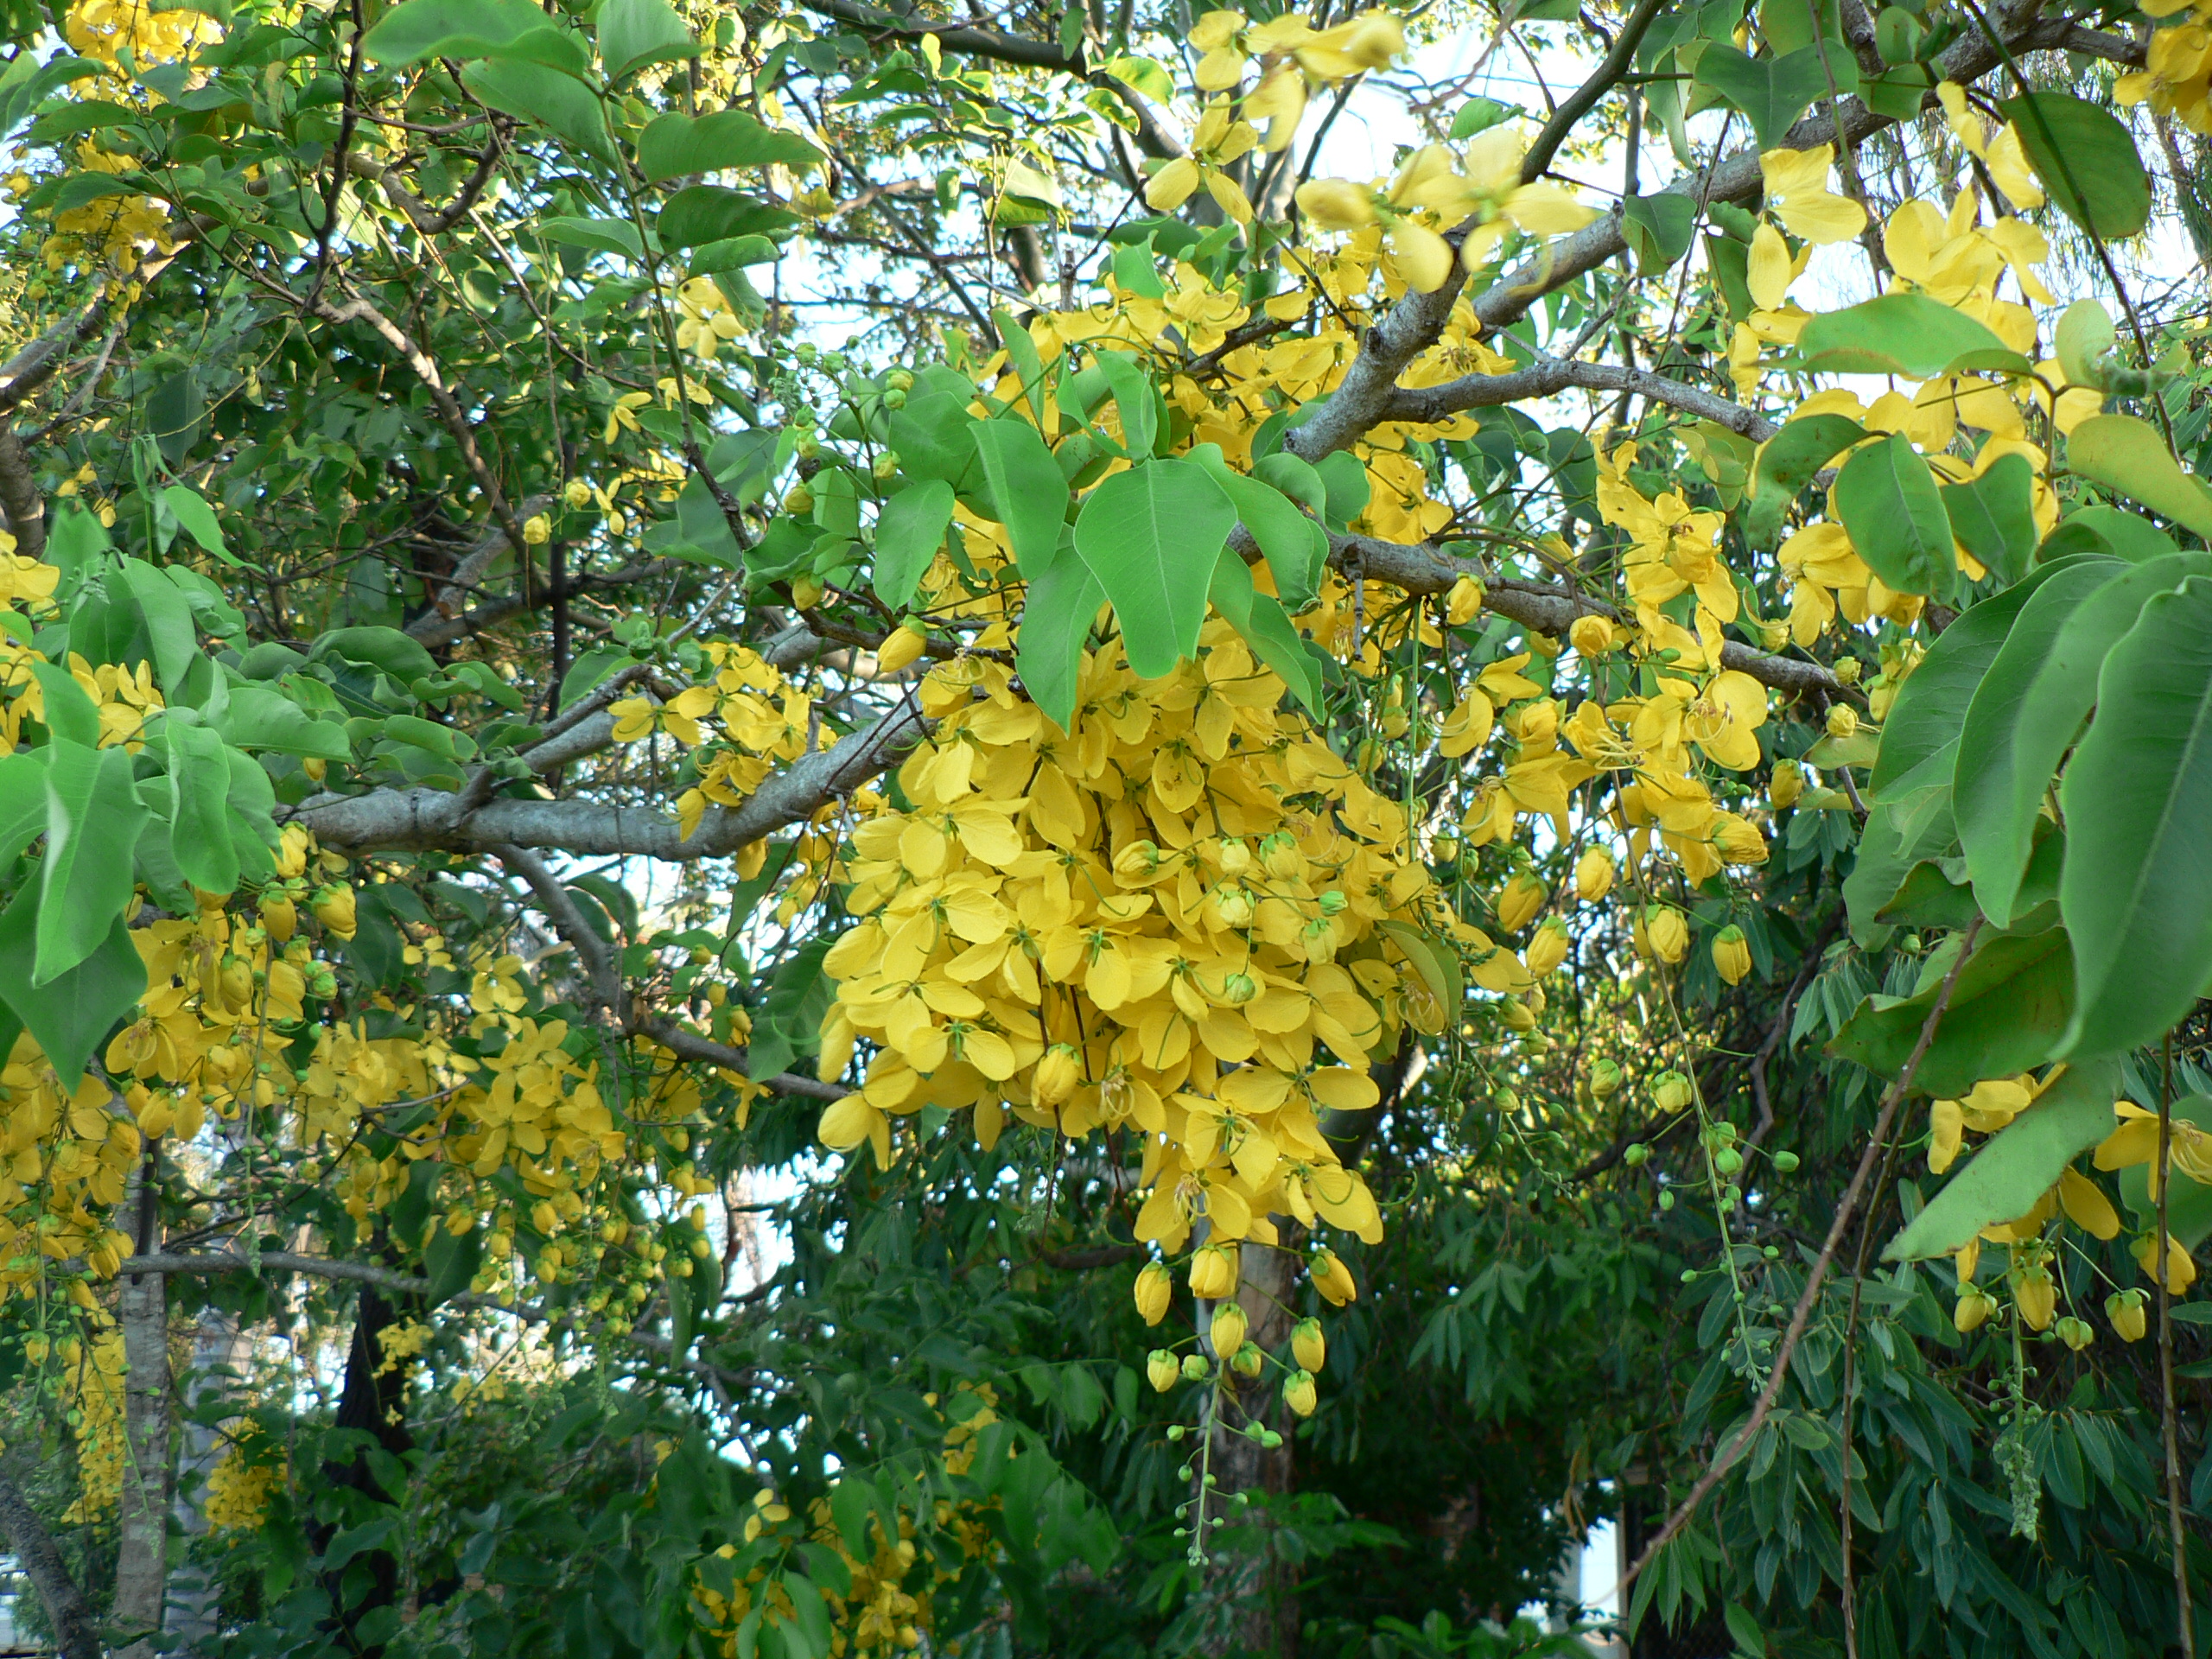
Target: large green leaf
162,606
2030,707
450,29
1152,536
191,510
2086,160
92,818
2017,1165
1265,626
559,103
908,534
934,436
2007,1013
1029,495
1905,829
1296,547
199,813
1890,503
635,33
2137,892
69,714
1786,463
1772,93
1056,617
261,717
2126,454
674,145
71,1013
1995,517
1932,703
1657,228
701,215
22,801
1907,334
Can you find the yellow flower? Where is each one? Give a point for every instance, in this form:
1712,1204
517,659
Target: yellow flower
1669,934
1229,1329
1593,875
1518,905
1213,1272
1549,949
1155,1287
537,530
1161,1369
1331,1278
2037,1298
1308,1345
1590,635
1300,1393
2181,1269
2124,1309
1797,190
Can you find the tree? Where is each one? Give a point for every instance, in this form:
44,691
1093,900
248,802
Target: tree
1321,845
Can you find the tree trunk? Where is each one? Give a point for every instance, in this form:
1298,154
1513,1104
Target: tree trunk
142,1561
376,1405
1260,1586
76,1630
218,1348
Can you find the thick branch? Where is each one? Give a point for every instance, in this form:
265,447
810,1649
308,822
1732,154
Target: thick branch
419,819
1427,405
75,1629
34,366
20,498
1550,611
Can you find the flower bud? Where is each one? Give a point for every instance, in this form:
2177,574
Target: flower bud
1279,857
1590,635
1464,602
334,908
1336,204
279,915
1846,670
1974,1307
1058,1073
1229,1328
1671,1091
575,494
2037,1298
1787,785
1194,1367
1843,720
1593,875
2180,1270
1730,954
1238,990
1300,1393
1213,1272
1637,1155
806,592
798,500
1155,1287
1669,934
1308,1345
1331,1278
1138,862
1605,1079
1518,904
1517,1015
2124,1309
1785,1163
537,530
1738,840
1250,1361
1549,949
903,647
2075,1333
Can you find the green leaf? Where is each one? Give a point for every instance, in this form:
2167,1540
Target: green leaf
1343,477
1022,352
1904,829
635,33
261,717
2086,160
1772,93
1907,334
674,145
1264,625
1134,399
1056,617
2008,1013
70,1014
22,803
1297,548
168,618
2188,1205
702,214
2030,704
1785,464
1889,501
1437,963
908,534
1743,1628
92,818
2126,454
934,436
387,649
451,1261
600,235
2099,528
200,814
1658,228
1152,536
1994,517
732,253
450,29
198,519
559,103
1028,494
2017,1165
1932,703
69,714
2137,890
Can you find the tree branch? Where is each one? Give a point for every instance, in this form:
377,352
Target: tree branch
75,1629
1429,405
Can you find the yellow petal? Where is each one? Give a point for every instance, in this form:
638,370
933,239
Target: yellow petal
1423,255
1823,218
1170,187
1769,271
2085,1205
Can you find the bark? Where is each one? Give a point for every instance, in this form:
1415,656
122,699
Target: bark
76,1630
376,1405
142,1561
218,1348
